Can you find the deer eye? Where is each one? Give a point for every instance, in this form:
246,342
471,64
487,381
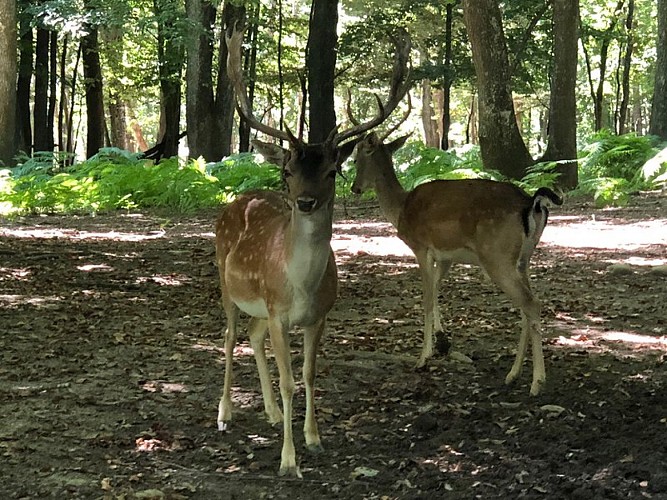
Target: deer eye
287,174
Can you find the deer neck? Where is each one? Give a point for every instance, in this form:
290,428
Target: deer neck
309,246
390,193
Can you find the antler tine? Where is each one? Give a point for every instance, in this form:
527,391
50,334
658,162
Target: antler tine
234,70
400,83
401,121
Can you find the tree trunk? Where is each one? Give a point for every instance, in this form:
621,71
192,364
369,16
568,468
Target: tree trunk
447,85
23,93
198,75
223,122
658,124
118,123
627,62
321,65
53,87
562,128
40,107
500,141
171,57
8,71
431,137
250,69
92,74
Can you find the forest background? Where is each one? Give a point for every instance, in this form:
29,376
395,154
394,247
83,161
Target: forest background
567,93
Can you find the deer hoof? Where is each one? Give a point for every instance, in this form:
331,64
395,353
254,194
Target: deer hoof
292,471
223,426
315,448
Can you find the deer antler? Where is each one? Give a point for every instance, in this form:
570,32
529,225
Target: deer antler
401,121
235,73
400,83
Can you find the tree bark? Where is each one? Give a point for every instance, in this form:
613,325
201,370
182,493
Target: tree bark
627,62
8,70
658,124
321,65
562,128
449,78
171,57
41,96
199,93
431,137
23,93
500,141
223,121
92,73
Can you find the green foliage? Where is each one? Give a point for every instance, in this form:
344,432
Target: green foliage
611,166
115,179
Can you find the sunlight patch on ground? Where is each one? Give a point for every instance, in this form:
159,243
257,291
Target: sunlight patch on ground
349,238
591,337
605,234
74,234
164,280
13,300
19,274
95,267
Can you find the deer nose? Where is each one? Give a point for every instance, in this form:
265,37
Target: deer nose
355,189
306,203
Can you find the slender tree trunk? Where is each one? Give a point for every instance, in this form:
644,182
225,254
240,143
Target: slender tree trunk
92,73
430,126
23,92
53,87
627,62
658,125
500,141
449,78
70,119
562,128
250,67
321,65
199,93
62,100
8,71
41,96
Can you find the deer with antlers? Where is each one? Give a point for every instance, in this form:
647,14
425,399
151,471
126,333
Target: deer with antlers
274,255
494,225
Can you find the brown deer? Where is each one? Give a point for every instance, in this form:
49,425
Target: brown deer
274,255
491,224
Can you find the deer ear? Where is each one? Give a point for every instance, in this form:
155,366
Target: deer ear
397,144
345,150
271,152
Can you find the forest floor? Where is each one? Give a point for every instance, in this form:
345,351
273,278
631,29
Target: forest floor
111,366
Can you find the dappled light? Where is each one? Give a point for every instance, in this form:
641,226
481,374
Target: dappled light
118,343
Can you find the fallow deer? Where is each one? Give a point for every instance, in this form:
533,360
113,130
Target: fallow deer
491,224
274,255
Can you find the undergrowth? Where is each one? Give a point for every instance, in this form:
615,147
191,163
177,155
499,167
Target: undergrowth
611,168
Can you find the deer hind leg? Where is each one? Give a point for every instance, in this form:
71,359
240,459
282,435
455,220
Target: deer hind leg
428,272
257,332
515,284
311,341
281,348
225,405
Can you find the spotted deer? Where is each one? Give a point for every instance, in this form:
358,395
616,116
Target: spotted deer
491,224
274,255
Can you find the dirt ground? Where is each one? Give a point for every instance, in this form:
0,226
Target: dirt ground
111,367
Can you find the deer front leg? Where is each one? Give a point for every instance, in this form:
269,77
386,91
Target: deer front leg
257,332
311,341
281,347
